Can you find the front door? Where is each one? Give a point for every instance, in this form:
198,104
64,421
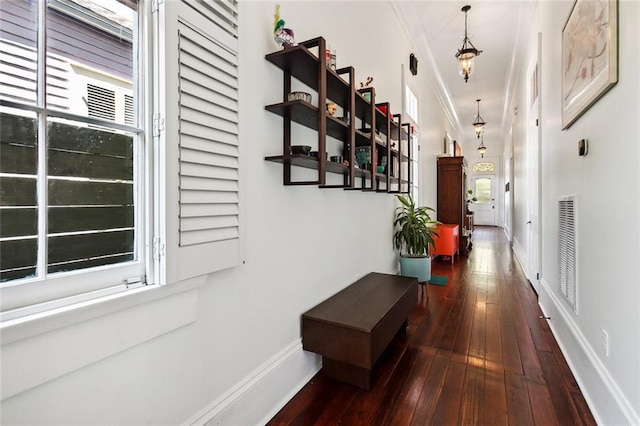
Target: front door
484,209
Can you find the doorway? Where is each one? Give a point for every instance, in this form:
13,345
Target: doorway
534,176
484,208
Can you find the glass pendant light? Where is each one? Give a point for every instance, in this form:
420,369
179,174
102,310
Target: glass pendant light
467,53
482,149
478,123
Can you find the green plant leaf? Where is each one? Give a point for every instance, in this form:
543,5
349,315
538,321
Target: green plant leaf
413,228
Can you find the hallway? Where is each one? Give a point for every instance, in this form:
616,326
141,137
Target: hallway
476,352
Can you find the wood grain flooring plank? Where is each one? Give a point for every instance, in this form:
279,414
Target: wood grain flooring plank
561,397
528,352
473,397
541,404
338,407
366,402
410,395
518,406
317,388
493,357
495,409
532,314
477,339
448,407
463,333
431,390
393,389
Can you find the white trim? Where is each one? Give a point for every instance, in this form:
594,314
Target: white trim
507,231
122,321
260,395
606,400
521,255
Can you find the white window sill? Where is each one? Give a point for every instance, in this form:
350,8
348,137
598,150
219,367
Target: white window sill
78,335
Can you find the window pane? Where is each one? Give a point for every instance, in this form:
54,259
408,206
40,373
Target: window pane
483,190
18,196
18,54
484,167
90,192
90,59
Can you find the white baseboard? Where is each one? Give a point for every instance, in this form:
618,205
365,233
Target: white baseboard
257,398
608,404
521,256
507,231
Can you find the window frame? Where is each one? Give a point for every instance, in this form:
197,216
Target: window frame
44,292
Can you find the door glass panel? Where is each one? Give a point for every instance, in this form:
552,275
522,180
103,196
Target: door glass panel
483,190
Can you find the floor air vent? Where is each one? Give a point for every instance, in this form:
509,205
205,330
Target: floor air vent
567,249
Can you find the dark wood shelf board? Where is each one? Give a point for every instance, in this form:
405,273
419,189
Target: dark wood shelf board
306,114
308,162
303,65
362,139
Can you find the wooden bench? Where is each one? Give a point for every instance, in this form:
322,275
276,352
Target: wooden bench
353,328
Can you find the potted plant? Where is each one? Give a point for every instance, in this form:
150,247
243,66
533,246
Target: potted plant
413,232
470,199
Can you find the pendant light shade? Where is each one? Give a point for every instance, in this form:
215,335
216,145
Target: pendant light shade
468,52
478,123
482,149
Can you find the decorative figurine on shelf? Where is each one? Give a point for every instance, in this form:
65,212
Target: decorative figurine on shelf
366,84
332,107
283,36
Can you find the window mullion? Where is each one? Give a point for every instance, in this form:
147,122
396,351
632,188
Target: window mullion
42,184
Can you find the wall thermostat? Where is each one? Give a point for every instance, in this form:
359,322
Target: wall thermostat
583,147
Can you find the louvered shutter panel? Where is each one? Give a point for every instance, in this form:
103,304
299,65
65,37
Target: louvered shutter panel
199,143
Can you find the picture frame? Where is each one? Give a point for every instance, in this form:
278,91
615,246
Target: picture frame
589,56
457,149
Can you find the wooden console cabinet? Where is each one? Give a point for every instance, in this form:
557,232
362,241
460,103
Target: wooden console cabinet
352,328
452,207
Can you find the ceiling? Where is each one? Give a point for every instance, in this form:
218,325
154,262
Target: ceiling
494,26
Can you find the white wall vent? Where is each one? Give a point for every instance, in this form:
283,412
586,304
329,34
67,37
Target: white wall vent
567,249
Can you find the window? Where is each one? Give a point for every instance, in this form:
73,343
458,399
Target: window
411,104
483,190
483,167
411,110
71,155
77,168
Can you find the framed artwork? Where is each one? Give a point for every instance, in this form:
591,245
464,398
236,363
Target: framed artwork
589,56
457,150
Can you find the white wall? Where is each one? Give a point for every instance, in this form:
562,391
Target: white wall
299,246
605,183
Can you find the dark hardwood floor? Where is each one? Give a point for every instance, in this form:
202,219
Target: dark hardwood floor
475,353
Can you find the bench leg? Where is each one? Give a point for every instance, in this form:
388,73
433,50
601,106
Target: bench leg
347,373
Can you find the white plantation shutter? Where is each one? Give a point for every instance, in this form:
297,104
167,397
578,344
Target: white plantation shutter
199,143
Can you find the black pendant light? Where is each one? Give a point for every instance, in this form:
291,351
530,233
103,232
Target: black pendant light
482,149
467,53
478,123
